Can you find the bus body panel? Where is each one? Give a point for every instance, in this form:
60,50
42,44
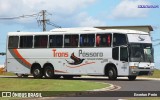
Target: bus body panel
79,60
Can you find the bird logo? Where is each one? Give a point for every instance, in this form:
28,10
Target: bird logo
75,59
141,38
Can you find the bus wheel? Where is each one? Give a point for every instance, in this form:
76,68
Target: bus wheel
132,78
67,76
37,72
48,72
112,74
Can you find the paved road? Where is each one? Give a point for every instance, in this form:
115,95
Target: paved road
137,85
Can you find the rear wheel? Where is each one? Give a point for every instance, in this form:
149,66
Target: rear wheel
131,78
112,73
49,72
37,72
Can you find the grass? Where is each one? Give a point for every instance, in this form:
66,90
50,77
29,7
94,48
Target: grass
7,74
29,84
58,87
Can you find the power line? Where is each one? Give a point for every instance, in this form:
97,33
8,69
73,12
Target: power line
40,17
43,20
53,24
18,17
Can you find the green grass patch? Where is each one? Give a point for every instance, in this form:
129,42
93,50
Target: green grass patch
7,74
29,84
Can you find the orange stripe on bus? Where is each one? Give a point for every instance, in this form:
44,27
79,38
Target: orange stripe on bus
20,57
81,65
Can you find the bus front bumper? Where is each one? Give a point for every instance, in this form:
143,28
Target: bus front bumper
140,72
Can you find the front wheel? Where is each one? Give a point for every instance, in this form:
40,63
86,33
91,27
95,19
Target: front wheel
112,73
131,78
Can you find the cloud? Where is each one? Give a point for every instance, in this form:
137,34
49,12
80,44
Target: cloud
66,12
10,7
129,9
88,21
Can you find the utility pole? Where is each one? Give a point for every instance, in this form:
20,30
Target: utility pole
44,20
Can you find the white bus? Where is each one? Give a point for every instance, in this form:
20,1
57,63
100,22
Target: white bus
70,52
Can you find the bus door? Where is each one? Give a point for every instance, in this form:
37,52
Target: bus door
123,61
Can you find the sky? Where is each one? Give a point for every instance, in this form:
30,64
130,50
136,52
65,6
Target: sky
79,13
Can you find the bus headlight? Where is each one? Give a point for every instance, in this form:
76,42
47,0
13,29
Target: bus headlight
133,67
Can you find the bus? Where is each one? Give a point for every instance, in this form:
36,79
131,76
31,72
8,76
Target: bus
69,52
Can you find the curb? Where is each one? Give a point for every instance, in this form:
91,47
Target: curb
80,93
110,88
148,78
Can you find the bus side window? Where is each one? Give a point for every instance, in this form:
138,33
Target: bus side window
41,41
91,39
98,40
13,42
55,41
71,40
87,40
119,39
103,40
26,41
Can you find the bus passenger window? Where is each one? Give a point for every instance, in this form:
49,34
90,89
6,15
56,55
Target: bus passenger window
87,40
40,41
71,40
103,40
13,42
26,41
98,40
55,41
119,39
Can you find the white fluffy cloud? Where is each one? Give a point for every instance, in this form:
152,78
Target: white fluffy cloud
63,11
129,9
24,6
86,20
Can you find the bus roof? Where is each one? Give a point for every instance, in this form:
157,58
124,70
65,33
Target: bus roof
84,30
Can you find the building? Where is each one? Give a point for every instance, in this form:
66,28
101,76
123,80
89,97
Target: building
144,28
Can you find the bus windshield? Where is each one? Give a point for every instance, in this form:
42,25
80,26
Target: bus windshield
141,52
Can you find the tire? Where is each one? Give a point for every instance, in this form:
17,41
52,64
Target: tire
132,78
112,73
49,72
67,76
37,72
